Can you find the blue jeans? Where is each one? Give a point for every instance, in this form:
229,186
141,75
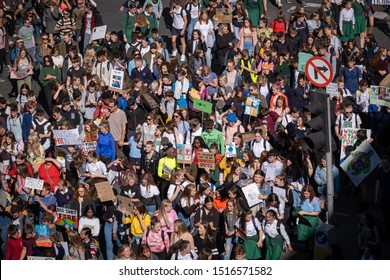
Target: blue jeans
4,237
190,28
248,46
185,220
108,238
236,31
86,40
229,243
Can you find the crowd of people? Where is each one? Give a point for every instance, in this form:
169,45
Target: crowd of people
139,130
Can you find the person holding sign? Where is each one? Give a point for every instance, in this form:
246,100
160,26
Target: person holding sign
251,226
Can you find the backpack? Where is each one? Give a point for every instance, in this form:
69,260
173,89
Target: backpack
284,22
177,255
86,98
189,7
252,143
91,251
162,236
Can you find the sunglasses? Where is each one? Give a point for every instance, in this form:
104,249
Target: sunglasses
175,116
65,14
148,119
45,39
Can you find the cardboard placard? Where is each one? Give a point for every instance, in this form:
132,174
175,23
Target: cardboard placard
99,32
248,136
66,137
252,106
184,153
35,258
32,183
203,106
125,202
206,160
105,192
361,163
88,147
3,198
223,15
116,80
67,217
349,139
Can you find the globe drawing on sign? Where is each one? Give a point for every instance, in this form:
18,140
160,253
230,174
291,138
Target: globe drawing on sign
360,162
230,149
67,222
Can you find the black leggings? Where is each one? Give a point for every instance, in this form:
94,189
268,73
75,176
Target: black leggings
2,59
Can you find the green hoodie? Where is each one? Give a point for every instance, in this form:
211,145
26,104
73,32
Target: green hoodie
53,71
215,136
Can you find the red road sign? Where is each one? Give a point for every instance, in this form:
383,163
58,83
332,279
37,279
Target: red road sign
319,71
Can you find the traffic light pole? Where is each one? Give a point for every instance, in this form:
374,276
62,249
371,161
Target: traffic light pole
329,164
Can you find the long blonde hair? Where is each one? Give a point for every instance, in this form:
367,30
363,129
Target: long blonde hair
75,240
35,147
162,212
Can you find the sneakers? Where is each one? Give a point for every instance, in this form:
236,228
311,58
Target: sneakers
182,58
9,68
174,52
280,5
288,1
2,80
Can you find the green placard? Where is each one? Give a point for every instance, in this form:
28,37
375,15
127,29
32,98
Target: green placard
302,60
203,106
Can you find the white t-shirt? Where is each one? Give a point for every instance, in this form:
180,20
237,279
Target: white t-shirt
250,228
97,168
153,190
204,30
178,17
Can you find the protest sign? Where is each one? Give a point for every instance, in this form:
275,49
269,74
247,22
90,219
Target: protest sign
332,89
381,2
116,80
223,15
303,58
88,147
270,174
248,136
206,160
3,198
280,192
184,153
251,193
35,258
252,106
230,150
203,106
125,202
380,96
349,139
105,192
67,137
67,217
99,32
360,163
32,183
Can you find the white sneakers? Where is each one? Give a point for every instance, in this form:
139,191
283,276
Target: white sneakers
174,52
182,58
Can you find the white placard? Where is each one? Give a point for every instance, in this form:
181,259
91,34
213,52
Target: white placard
116,79
381,2
99,32
32,183
332,89
88,147
280,192
251,193
230,150
67,137
270,174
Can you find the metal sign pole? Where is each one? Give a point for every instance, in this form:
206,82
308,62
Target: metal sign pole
329,164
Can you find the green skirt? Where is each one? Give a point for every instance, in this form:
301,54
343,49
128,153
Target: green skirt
304,231
254,16
360,24
252,252
274,247
349,33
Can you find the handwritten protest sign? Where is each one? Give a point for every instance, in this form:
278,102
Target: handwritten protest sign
332,89
251,193
303,58
206,160
98,32
252,106
280,192
184,153
105,192
67,137
381,2
203,106
4,196
35,258
116,80
125,202
88,147
223,15
32,183
349,139
380,95
67,217
361,163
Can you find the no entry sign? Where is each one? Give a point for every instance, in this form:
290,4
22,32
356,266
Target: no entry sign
319,71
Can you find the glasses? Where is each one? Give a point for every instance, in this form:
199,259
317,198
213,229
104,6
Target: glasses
175,116
349,112
149,119
47,60
252,89
45,39
111,107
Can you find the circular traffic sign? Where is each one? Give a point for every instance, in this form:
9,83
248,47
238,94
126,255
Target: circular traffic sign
319,71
